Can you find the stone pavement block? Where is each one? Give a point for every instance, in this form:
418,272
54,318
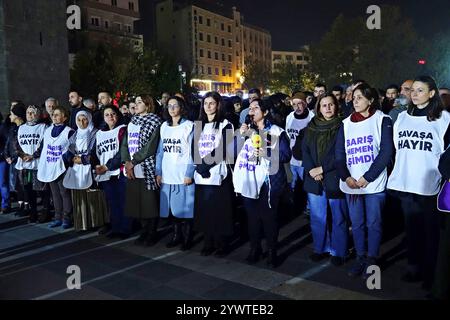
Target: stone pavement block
271,296
89,269
124,285
163,293
300,289
195,283
86,293
113,257
261,279
31,284
159,272
233,291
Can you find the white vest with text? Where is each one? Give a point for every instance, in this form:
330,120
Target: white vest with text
362,146
210,140
419,144
133,147
107,146
30,139
176,151
51,163
293,128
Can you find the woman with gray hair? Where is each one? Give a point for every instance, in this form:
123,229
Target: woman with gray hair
29,140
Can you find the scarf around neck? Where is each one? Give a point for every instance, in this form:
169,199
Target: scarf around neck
322,133
148,124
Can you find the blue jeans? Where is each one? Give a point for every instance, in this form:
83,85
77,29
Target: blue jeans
336,242
4,183
365,214
297,173
115,196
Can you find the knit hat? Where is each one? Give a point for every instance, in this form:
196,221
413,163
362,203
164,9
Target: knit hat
299,95
20,111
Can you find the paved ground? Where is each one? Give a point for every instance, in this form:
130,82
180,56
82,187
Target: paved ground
34,261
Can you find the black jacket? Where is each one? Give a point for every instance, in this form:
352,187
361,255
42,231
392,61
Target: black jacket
330,182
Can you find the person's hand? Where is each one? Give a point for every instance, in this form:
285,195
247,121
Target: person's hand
362,183
159,181
129,170
244,128
188,181
100,170
259,152
315,172
352,183
8,160
27,158
319,177
205,174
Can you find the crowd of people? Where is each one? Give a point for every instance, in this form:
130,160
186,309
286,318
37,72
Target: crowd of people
352,152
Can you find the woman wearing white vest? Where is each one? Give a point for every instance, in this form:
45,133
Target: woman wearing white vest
363,151
29,139
87,214
108,173
175,172
260,178
138,152
51,167
421,135
213,187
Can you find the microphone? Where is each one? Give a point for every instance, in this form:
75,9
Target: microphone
248,120
257,143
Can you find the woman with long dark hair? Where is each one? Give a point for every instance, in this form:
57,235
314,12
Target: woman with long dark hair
260,178
213,193
175,172
421,135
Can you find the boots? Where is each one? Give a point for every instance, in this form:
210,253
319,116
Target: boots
45,216
254,255
144,234
32,217
152,236
177,236
188,235
21,210
208,248
272,258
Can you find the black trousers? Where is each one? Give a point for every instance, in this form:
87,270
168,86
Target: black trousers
422,233
262,218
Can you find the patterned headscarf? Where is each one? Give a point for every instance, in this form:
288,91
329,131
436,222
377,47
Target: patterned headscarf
37,112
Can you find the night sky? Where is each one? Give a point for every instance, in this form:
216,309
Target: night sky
294,23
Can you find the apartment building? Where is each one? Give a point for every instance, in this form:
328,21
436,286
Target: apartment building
211,43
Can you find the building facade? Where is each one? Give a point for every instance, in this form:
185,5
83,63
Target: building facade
211,43
33,51
110,22
300,58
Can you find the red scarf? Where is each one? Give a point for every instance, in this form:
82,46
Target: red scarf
358,117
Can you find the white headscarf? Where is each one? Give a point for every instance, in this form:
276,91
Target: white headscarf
84,133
